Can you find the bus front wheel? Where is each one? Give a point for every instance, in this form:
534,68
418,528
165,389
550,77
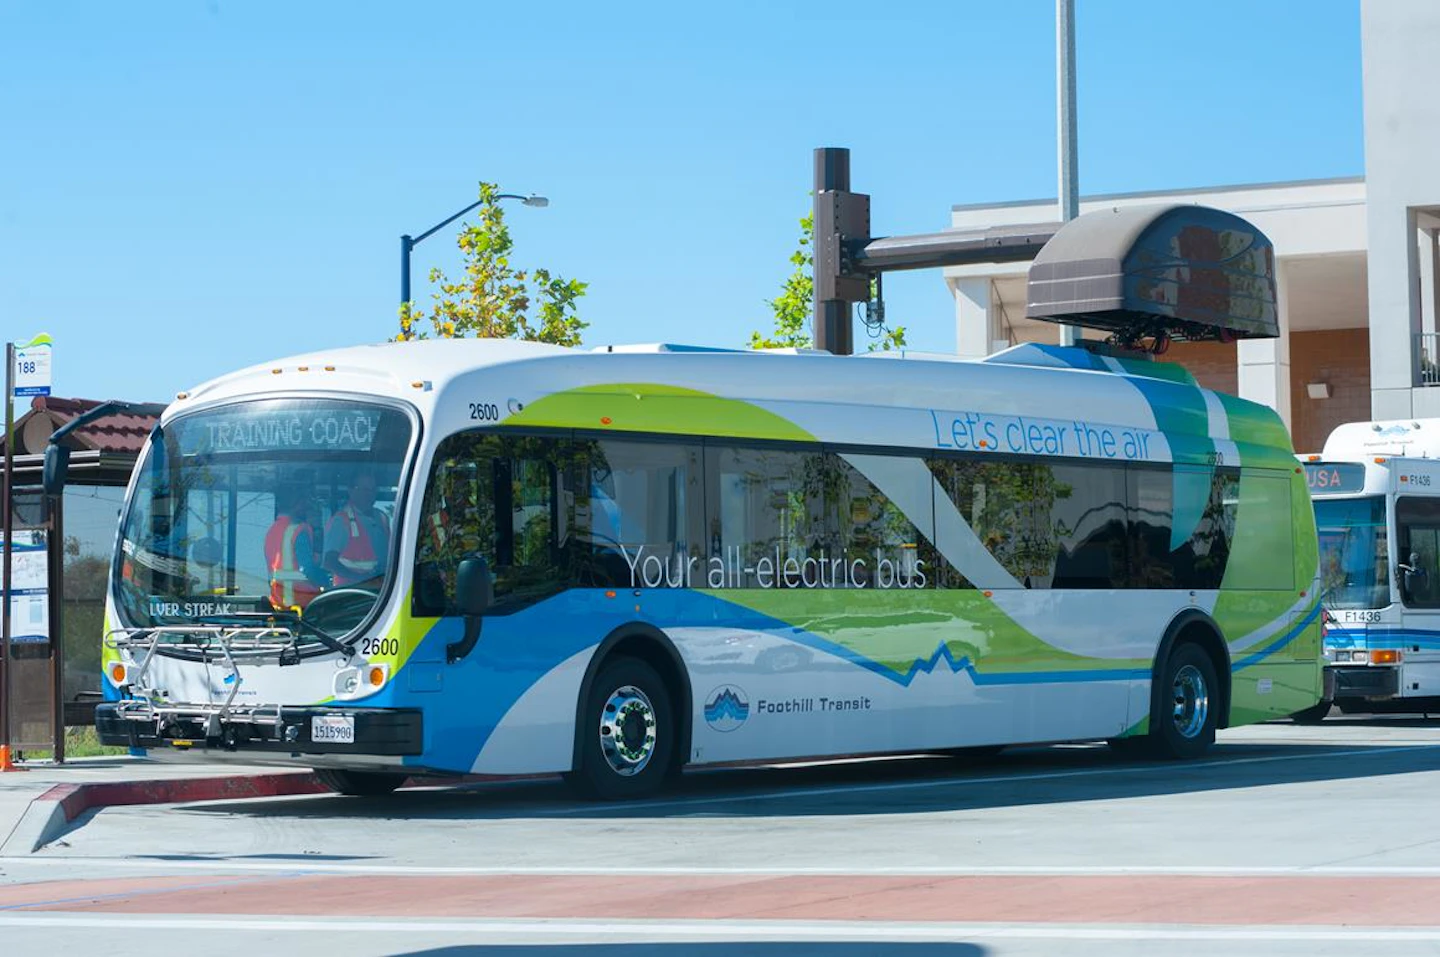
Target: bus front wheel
360,783
1186,701
627,733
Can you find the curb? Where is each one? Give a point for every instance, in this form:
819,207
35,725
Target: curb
51,814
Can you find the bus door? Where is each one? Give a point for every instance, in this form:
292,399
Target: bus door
1417,558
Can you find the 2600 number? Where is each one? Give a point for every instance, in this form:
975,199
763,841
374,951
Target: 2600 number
380,646
484,412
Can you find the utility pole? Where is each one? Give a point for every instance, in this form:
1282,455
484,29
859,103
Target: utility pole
1068,140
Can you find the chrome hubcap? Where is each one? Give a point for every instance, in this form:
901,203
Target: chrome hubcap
627,731
1192,701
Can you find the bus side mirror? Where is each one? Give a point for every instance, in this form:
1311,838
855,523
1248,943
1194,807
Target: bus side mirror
473,589
474,593
57,464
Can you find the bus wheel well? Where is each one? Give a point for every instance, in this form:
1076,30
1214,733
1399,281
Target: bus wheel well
650,645
1203,633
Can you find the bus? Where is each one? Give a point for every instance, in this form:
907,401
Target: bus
619,563
1374,484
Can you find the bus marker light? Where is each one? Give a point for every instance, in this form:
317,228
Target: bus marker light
302,368
118,673
276,371
604,420
1385,656
377,675
182,395
1312,458
329,368
609,594
989,594
1379,460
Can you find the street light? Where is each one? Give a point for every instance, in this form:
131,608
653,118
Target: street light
408,242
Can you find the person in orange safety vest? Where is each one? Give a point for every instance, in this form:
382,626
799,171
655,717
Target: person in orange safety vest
295,576
357,537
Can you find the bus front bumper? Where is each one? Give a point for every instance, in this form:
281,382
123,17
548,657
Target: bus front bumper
390,732
1365,681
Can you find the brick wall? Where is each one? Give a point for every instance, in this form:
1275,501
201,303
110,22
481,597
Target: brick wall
1341,358
1213,364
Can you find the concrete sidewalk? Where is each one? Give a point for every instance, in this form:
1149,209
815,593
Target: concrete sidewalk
42,802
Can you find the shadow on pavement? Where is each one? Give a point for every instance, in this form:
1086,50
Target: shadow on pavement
1023,776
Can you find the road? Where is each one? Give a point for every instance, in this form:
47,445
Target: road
1286,840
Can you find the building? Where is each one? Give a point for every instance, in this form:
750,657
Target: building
1356,259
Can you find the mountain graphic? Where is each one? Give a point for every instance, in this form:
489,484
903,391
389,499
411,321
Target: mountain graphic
727,706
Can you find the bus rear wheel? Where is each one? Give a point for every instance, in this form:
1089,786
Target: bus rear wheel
627,733
1184,714
360,783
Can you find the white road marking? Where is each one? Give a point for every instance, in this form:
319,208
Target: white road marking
726,929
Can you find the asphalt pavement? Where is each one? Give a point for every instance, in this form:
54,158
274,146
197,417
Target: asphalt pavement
1285,840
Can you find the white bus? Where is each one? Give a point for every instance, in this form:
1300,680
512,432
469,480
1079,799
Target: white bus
1376,487
618,563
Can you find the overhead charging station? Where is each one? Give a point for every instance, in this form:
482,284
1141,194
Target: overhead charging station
1146,275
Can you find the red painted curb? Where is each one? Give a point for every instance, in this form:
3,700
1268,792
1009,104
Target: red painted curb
76,799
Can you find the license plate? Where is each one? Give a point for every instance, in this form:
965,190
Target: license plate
334,728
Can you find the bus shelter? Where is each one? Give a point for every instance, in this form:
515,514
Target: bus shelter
64,545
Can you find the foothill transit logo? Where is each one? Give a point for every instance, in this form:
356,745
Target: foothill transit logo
726,709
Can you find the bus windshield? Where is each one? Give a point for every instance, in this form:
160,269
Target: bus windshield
272,506
1354,553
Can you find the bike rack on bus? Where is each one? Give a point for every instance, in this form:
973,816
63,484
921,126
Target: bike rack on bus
227,645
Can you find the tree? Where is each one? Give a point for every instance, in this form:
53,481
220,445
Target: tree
494,299
793,307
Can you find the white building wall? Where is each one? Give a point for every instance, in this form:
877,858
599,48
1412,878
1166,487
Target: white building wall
1401,48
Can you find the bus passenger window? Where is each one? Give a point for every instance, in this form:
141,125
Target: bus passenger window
637,514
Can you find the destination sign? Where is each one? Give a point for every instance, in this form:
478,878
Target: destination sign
293,429
1335,476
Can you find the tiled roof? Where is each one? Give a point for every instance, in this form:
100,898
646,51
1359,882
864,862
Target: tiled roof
118,432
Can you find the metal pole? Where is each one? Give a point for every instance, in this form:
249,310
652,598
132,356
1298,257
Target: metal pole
1069,144
406,244
832,329
7,529
55,550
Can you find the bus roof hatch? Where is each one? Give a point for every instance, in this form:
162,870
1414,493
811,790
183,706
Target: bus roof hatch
1172,271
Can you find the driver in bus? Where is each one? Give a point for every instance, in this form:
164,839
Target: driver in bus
357,538
290,554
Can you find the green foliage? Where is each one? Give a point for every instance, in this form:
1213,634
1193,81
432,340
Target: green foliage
494,299
794,306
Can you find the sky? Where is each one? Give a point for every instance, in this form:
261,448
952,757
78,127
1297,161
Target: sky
193,187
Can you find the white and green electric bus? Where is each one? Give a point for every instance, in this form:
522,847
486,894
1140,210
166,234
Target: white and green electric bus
618,563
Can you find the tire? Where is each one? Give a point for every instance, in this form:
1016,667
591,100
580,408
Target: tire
1184,713
626,734
360,783
1138,746
1313,714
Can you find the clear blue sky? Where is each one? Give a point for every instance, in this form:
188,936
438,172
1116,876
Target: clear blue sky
189,187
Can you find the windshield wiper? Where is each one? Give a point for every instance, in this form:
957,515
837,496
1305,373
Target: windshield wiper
289,618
